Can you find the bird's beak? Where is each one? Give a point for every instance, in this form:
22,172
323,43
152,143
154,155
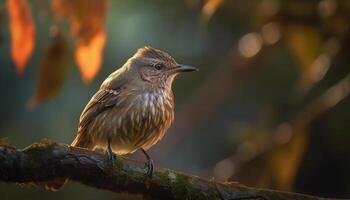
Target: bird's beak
184,68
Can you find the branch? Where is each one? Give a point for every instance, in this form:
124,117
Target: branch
48,160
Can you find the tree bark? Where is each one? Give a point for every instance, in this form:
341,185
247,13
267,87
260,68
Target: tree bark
48,160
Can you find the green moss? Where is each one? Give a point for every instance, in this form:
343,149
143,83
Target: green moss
117,164
178,183
44,148
39,146
164,177
121,179
126,173
181,185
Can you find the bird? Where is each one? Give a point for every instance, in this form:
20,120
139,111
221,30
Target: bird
133,108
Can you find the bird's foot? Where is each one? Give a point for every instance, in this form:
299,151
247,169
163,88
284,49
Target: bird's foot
149,165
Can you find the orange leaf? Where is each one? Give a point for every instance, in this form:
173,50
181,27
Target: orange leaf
304,43
286,158
88,56
53,69
22,32
209,8
86,16
87,26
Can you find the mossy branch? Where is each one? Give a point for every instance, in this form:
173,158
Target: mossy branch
48,160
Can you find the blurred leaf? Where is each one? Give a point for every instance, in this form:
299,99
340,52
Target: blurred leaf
53,69
271,162
305,44
86,16
22,32
87,25
255,172
251,156
88,56
209,8
285,159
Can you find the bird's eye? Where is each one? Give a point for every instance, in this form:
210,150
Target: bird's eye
159,66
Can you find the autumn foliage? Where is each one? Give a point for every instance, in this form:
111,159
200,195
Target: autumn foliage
53,68
22,32
88,32
86,19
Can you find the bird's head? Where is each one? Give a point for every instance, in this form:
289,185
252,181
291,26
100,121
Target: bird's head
156,67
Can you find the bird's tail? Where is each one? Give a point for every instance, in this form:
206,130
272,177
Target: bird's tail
83,142
57,183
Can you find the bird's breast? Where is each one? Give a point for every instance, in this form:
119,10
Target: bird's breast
138,120
155,111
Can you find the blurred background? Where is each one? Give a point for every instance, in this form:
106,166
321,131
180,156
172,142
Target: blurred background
269,107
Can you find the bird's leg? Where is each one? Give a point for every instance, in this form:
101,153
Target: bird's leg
149,163
111,156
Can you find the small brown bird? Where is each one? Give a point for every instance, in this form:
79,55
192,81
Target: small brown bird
133,108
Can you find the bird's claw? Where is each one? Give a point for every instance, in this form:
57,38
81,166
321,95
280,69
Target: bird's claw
149,165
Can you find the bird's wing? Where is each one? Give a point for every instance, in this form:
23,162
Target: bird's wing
102,100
